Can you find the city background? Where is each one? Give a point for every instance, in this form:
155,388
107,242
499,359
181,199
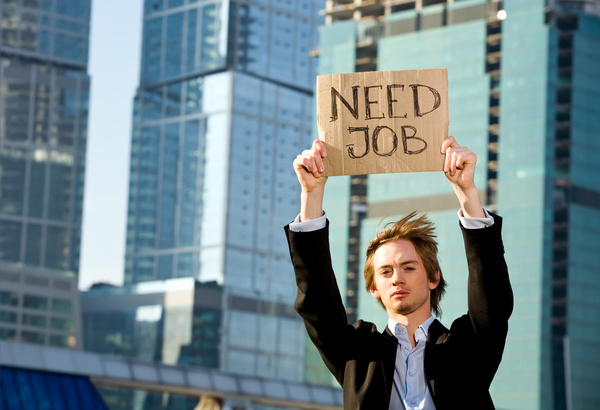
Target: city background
145,179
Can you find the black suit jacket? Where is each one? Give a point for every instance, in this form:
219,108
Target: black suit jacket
460,362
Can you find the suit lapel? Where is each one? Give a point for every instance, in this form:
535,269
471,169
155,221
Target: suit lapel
435,338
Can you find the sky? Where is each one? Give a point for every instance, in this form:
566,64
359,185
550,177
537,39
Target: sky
114,63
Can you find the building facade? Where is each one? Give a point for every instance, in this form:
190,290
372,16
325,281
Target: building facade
223,107
522,81
44,94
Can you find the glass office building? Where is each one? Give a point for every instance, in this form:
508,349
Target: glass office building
44,93
223,107
522,89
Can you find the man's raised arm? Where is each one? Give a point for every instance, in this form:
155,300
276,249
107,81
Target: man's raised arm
459,168
309,168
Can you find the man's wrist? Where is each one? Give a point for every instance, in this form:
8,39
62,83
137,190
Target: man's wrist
311,204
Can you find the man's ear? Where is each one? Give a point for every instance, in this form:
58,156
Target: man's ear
433,285
375,293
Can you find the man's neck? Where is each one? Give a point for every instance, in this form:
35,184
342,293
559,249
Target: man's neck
411,322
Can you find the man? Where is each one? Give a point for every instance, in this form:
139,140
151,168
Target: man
416,363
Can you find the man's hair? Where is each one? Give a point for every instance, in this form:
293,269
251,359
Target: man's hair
421,233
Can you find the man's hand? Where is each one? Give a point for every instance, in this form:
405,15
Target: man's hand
459,165
309,168
459,168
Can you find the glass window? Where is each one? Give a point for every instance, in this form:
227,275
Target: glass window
8,317
152,48
63,306
33,320
7,334
152,6
9,298
185,264
282,45
193,95
33,337
57,248
12,181
169,185
15,107
151,104
59,340
189,207
61,177
165,267
60,323
209,48
174,3
143,269
35,302
73,8
192,29
174,44
33,248
173,100
10,241
70,47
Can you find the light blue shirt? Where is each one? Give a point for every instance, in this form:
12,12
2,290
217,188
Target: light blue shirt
410,390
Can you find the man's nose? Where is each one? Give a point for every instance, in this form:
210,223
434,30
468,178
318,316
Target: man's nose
397,278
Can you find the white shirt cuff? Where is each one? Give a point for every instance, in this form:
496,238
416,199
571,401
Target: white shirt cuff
475,223
309,226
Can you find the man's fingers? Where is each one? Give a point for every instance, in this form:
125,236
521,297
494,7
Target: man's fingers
320,146
449,143
457,157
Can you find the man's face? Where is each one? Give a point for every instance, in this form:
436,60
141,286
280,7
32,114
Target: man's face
401,280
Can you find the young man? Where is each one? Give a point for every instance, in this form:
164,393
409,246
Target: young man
416,363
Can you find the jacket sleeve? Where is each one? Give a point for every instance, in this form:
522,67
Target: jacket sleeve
490,297
318,300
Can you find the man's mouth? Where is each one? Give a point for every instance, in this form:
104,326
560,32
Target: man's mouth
399,293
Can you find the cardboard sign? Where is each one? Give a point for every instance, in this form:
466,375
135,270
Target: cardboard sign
383,121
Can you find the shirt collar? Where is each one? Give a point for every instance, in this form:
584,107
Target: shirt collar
420,333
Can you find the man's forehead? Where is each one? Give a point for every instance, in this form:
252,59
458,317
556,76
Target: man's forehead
400,250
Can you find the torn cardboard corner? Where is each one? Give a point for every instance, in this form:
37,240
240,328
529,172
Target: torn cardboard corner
383,121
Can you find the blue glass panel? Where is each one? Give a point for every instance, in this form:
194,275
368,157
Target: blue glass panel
192,28
57,245
39,385
168,195
191,156
73,8
72,395
56,391
165,267
70,47
174,44
12,181
173,100
174,3
152,6
209,54
152,47
193,96
24,389
10,241
9,383
185,264
86,393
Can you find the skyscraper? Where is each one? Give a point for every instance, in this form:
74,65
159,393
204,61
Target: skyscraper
44,93
523,79
223,107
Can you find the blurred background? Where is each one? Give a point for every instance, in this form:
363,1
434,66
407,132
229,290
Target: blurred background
145,179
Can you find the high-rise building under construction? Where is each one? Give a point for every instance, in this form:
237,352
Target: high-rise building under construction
523,92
